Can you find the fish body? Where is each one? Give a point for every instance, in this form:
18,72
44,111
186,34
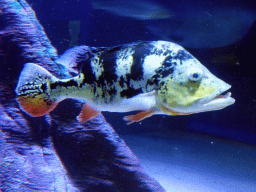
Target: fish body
156,77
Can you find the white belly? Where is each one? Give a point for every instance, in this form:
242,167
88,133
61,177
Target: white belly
143,101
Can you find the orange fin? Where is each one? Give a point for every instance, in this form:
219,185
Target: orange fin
36,105
138,117
87,113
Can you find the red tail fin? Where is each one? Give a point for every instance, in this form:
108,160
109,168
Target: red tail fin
36,105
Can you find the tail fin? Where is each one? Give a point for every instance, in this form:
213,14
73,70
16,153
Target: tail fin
33,90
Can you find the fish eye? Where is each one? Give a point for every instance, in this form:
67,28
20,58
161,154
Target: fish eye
195,75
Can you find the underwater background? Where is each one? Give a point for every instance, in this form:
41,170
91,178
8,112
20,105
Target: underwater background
212,151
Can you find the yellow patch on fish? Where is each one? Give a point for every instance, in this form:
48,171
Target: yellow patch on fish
185,94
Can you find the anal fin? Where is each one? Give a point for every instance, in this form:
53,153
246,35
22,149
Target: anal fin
87,113
138,117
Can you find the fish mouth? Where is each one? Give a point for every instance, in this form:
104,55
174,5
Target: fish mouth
214,101
217,100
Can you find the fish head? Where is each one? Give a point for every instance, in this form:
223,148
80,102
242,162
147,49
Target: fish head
192,88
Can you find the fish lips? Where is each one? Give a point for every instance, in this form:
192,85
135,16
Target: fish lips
216,100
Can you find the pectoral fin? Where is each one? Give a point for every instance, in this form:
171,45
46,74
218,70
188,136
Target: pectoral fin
171,112
138,117
87,113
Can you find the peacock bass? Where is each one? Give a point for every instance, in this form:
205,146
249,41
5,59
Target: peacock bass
155,77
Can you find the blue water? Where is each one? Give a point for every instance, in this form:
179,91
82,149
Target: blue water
196,162
219,154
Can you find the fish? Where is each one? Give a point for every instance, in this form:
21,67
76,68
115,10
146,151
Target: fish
139,10
151,77
191,24
208,31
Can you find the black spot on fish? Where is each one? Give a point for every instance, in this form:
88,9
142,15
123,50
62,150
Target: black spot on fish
158,52
165,71
155,79
168,62
70,83
103,91
161,84
89,76
94,89
108,60
182,55
167,52
43,87
151,84
112,93
121,81
141,51
131,92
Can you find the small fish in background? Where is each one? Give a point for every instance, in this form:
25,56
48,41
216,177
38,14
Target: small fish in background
157,77
140,10
192,24
205,32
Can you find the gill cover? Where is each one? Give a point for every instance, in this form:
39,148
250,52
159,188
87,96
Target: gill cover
184,87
